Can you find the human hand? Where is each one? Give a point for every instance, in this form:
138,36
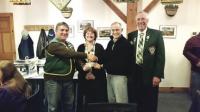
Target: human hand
156,81
97,66
92,57
88,66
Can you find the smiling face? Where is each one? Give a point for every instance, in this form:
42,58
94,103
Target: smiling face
89,36
62,32
116,30
141,21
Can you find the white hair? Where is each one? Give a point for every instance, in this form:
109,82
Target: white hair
143,13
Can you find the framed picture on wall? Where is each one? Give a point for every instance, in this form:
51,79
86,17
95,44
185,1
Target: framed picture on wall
104,32
168,31
71,31
84,24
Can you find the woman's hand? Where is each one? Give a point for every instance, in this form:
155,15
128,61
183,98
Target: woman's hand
97,66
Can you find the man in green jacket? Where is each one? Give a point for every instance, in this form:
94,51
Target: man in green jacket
149,52
59,70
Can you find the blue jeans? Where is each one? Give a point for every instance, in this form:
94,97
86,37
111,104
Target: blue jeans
195,85
59,92
117,89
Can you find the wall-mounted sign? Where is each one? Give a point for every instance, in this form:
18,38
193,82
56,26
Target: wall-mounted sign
171,1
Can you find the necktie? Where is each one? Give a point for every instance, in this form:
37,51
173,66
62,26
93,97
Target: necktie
139,56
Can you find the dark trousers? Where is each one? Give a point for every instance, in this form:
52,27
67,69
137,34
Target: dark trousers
148,99
146,96
93,91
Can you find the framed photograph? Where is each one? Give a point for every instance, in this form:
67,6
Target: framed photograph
104,32
168,31
71,31
84,24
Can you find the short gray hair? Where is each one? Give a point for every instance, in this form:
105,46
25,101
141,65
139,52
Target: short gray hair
117,23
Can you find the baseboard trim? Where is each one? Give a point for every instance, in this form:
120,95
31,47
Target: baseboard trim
173,89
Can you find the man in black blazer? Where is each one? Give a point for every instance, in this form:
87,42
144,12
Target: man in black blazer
149,70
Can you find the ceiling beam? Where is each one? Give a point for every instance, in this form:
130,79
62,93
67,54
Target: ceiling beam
116,10
151,5
131,13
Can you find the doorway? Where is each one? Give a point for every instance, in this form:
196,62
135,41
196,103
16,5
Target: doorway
7,39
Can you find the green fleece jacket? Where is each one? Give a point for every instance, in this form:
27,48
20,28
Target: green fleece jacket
60,60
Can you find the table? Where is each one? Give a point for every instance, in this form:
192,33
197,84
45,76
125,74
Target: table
35,79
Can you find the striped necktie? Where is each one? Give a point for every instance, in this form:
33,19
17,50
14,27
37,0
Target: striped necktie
139,56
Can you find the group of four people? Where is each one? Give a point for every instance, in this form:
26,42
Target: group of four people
119,74
127,71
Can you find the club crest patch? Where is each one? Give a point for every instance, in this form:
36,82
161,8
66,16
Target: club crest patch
152,50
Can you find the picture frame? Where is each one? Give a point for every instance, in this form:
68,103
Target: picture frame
71,31
84,24
104,32
168,31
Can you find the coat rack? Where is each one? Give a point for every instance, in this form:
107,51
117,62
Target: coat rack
38,27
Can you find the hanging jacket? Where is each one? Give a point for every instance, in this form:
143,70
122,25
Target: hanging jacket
51,35
26,48
42,43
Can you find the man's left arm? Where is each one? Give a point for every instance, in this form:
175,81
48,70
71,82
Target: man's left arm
160,60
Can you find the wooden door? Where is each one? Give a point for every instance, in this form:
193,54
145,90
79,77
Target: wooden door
7,39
